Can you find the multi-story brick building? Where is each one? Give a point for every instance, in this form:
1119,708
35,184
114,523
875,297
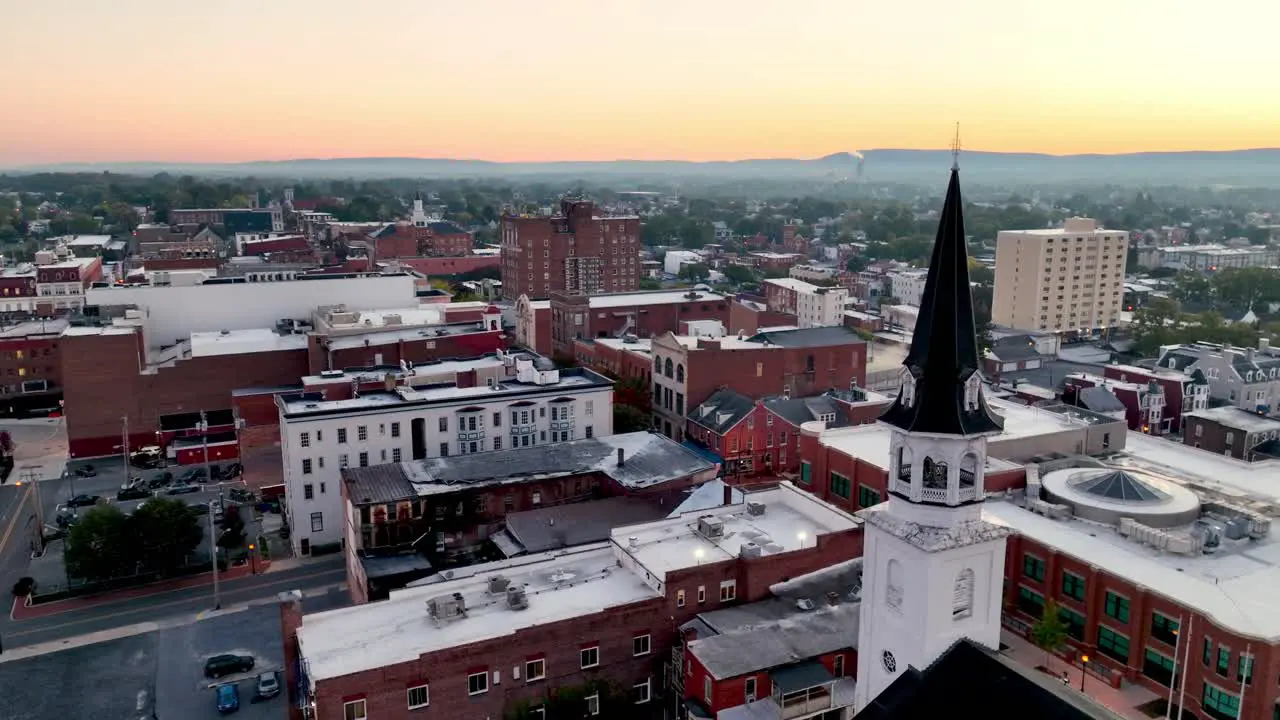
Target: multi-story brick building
561,630
1234,432
533,325
642,314
1183,392
792,362
460,502
233,219
18,288
62,279
1144,403
578,251
31,368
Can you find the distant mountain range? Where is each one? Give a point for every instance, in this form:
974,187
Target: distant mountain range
1259,167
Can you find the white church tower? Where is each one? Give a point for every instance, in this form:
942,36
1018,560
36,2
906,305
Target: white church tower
419,216
932,569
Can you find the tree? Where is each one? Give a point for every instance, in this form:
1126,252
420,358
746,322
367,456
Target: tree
232,529
1049,632
857,263
627,418
695,272
1192,288
739,274
99,546
166,531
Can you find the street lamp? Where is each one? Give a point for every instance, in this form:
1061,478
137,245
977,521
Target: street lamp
1084,665
253,561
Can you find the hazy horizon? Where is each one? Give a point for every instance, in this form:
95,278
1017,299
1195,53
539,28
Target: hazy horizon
498,80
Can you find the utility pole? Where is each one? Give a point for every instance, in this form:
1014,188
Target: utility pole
30,476
213,556
125,420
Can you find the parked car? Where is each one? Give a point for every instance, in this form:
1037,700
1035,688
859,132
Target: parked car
86,471
160,479
268,685
133,492
147,457
227,664
84,501
194,475
228,698
66,518
183,489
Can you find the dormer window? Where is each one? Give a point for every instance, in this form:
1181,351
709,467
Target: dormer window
972,393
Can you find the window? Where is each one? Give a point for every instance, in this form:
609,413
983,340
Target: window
728,590
308,491
838,665
1117,607
395,454
1074,622
750,687
304,439
342,436
362,432
320,464
354,710
1244,669
478,683
306,466
1224,660
444,449
593,704
418,697
640,645
536,498
1030,602
702,594
806,473
641,692
395,429
867,497
317,522
1113,644
344,461
1158,667
535,670
962,595
587,432
364,459
589,657
497,443
1072,585
1219,703
679,598
444,424
1164,629
1033,567
706,688
840,485
321,488
1208,651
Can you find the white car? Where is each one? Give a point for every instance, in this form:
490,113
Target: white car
268,685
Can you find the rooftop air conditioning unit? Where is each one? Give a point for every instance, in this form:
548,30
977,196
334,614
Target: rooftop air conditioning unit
750,550
755,508
517,599
498,584
447,607
331,373
711,526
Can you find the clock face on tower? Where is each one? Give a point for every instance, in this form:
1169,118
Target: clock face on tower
890,663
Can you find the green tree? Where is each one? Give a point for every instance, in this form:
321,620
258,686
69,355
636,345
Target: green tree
100,546
627,418
232,529
167,531
695,272
1049,632
1192,288
739,274
857,263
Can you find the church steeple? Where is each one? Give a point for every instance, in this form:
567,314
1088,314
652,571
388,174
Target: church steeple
941,390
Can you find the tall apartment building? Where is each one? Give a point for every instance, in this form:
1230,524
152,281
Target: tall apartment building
1068,279
577,251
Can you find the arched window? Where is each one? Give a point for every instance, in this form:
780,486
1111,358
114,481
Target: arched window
680,373
968,470
972,392
904,464
962,596
667,371
893,585
934,474
908,387
657,364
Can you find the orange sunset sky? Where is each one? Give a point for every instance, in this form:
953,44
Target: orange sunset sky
231,80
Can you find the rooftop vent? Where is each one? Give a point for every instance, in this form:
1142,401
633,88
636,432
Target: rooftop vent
331,373
633,542
516,598
755,508
750,550
498,584
804,604
224,332
710,526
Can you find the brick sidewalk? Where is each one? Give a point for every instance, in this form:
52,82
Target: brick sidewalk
1123,701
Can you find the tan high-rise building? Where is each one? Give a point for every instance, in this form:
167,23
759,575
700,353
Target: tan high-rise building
1061,280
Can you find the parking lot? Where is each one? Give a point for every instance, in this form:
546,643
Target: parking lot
158,674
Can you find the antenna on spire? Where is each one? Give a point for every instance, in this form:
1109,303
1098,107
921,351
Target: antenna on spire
955,150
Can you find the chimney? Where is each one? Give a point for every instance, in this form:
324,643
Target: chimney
622,459
728,494
466,379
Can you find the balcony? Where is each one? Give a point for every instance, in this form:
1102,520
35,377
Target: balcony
934,494
801,690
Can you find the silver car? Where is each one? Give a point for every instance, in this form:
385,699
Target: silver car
268,685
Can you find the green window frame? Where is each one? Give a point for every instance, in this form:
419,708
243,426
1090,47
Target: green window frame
1244,669
1223,667
840,485
1030,601
1074,622
1164,628
1158,667
1072,585
868,496
1116,607
1033,567
1219,703
806,473
1113,644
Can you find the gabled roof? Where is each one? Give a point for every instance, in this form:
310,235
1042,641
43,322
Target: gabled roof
944,345
723,410
798,411
1014,348
1099,399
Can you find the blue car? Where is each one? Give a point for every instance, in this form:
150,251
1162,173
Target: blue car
228,698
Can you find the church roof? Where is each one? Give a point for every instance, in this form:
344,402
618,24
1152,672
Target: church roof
944,347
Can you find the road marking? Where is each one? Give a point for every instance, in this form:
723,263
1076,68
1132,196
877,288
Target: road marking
147,608
22,502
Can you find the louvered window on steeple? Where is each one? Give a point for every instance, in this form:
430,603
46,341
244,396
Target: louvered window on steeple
972,389
893,585
962,597
908,387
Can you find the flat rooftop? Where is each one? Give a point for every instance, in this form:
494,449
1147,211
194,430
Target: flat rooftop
792,284
1237,418
792,520
442,371
1236,586
559,585
34,327
659,297
236,342
649,459
1242,481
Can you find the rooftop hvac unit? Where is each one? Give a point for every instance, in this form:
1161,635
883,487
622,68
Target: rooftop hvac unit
331,373
446,607
773,548
517,599
750,550
498,584
711,526
755,508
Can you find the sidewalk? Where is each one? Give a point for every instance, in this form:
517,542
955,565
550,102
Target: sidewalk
22,610
1123,701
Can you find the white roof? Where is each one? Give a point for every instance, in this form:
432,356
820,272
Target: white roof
792,519
651,298
792,284
1240,419
88,240
235,342
1243,480
1236,587
559,585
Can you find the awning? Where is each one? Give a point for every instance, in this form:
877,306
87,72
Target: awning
507,545
703,452
800,676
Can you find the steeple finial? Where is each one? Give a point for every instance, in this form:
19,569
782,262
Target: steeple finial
955,150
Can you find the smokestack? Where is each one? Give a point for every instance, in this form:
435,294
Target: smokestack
621,457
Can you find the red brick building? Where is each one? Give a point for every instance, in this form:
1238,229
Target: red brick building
796,363
431,239
18,288
61,283
1182,392
519,634
436,266
578,251
774,262
643,314
31,368
533,325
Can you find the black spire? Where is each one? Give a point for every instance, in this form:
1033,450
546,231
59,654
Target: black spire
944,347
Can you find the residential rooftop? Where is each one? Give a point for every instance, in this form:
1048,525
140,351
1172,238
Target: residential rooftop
1237,418
648,460
428,373
792,520
792,284
559,586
